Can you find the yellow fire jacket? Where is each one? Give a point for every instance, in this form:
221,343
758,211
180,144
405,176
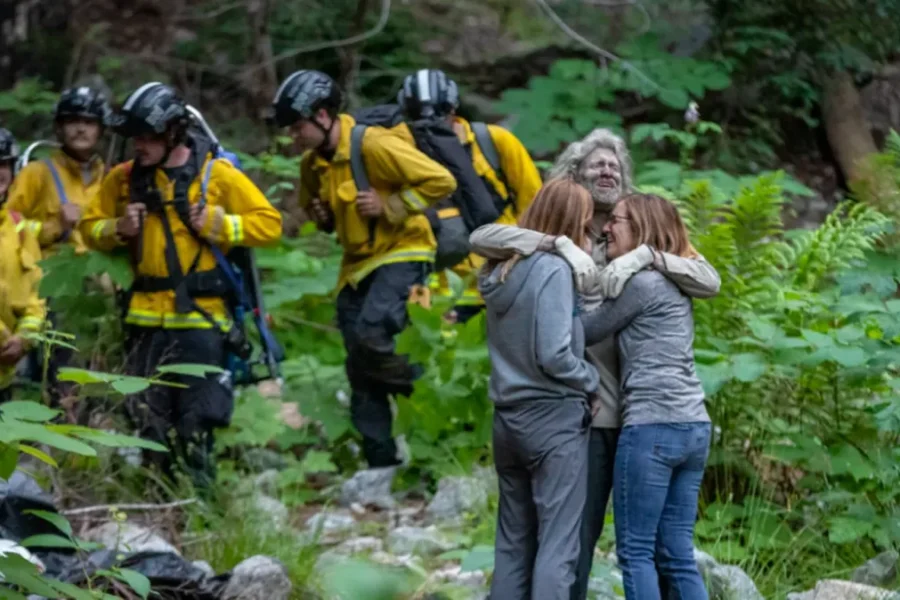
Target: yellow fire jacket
523,177
239,215
21,310
395,168
35,196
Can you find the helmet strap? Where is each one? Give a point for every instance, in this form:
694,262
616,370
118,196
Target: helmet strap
324,148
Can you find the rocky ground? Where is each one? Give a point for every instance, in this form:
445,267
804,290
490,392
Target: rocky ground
428,542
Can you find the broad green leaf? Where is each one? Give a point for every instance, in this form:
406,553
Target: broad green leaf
18,571
848,356
38,454
847,460
44,434
713,377
27,411
130,386
763,330
819,340
481,558
355,578
82,376
845,530
9,458
55,519
48,540
117,440
136,581
674,98
7,594
197,370
76,593
318,462
748,367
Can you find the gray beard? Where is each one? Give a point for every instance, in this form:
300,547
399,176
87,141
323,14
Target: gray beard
605,198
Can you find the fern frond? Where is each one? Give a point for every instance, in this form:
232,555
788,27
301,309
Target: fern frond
756,212
698,207
847,233
892,146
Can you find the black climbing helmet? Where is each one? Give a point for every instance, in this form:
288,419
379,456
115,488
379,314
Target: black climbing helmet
428,93
154,108
301,95
9,149
84,102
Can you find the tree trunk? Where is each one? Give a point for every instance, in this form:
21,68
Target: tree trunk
846,125
262,80
349,55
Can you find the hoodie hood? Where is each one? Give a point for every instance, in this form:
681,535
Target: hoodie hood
499,296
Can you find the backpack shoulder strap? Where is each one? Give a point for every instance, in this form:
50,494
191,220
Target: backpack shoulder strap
486,143
60,190
57,182
220,257
357,166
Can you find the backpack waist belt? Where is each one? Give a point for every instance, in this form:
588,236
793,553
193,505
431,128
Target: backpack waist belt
199,284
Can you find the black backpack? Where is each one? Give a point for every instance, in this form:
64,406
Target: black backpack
475,205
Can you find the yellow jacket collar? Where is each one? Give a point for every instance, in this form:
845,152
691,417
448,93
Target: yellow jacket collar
342,152
468,136
65,161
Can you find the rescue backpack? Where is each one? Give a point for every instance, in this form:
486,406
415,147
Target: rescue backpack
453,219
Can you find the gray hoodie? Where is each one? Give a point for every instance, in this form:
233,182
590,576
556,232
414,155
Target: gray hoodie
535,338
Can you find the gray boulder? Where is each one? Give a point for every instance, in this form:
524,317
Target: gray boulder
127,537
258,578
879,571
360,545
371,487
329,523
455,497
832,589
728,582
205,567
705,562
417,540
270,511
267,482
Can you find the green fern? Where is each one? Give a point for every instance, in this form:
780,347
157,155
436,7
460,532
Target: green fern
878,185
892,146
838,244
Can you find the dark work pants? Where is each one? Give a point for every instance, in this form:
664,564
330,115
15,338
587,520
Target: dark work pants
183,419
541,455
601,463
369,316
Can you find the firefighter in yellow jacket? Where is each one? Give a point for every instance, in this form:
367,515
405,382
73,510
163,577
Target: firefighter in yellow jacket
512,179
21,310
51,194
386,253
153,206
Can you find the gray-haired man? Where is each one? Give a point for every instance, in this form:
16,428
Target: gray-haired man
601,163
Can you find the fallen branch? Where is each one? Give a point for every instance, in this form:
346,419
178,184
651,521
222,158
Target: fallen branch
127,507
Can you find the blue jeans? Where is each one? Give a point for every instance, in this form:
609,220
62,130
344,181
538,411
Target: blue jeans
656,483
